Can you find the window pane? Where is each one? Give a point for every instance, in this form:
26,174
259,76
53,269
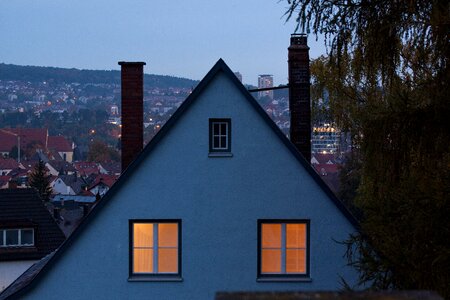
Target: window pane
216,142
143,235
223,142
295,261
167,235
12,237
271,261
167,260
271,235
223,128
1,238
26,236
216,128
295,235
143,261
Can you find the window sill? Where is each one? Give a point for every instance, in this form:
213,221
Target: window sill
155,278
284,279
220,154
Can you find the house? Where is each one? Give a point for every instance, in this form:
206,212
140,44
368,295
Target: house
67,184
85,168
102,184
35,139
27,232
7,165
218,200
60,145
60,167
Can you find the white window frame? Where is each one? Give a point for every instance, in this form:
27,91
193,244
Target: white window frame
19,238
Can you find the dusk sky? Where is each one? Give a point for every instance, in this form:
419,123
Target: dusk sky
178,38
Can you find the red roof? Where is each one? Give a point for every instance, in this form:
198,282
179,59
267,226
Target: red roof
107,180
8,164
324,169
28,135
59,143
86,168
7,140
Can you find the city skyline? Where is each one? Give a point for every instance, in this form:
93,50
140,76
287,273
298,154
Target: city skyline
176,39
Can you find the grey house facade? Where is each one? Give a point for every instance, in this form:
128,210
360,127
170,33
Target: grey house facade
219,200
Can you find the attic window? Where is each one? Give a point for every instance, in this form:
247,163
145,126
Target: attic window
17,237
220,136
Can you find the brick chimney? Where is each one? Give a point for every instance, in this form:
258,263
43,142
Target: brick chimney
299,95
132,136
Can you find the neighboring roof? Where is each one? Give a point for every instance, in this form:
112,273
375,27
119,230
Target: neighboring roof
8,164
7,140
28,135
23,208
112,168
104,179
76,198
76,183
219,67
59,143
86,168
61,166
325,158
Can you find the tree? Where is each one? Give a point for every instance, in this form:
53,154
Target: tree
388,78
39,180
101,152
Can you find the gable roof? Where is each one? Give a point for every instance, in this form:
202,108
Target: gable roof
21,208
219,67
59,143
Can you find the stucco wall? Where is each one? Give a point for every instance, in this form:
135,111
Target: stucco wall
219,201
10,270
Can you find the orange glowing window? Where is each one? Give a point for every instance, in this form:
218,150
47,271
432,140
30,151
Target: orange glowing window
155,247
283,248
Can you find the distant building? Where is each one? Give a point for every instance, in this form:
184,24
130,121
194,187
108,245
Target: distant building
265,81
325,139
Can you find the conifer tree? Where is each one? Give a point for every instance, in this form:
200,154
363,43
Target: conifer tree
39,180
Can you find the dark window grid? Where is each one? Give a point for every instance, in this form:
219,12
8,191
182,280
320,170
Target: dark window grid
220,135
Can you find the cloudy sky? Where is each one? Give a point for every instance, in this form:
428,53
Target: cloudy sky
178,38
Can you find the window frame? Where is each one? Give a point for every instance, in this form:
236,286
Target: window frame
216,150
19,237
153,276
283,276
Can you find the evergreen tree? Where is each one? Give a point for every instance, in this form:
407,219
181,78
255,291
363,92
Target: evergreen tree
39,180
388,78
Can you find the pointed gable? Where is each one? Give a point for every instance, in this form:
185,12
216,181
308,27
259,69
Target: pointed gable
219,199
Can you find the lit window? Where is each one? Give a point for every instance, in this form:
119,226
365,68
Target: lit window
283,249
220,135
155,248
17,237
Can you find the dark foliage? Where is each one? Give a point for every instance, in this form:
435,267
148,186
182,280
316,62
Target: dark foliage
39,180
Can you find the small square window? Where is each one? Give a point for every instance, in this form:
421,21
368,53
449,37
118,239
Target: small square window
219,135
283,249
155,249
